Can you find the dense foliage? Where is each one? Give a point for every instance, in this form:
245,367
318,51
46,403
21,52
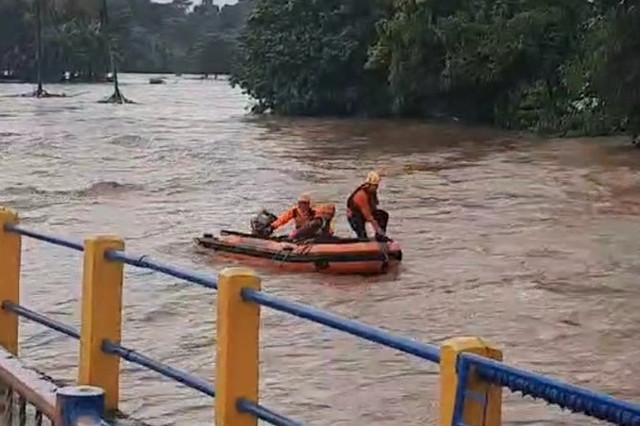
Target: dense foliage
568,66
147,36
546,65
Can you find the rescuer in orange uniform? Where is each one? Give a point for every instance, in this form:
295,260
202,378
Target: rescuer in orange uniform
319,227
362,207
301,214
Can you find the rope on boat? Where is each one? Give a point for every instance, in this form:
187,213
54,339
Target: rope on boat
306,248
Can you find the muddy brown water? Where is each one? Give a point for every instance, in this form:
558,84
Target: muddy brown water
530,243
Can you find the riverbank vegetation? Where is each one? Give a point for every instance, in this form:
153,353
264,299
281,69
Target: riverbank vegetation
146,36
550,66
568,66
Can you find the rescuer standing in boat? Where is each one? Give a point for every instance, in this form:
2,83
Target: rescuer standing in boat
319,228
301,214
362,207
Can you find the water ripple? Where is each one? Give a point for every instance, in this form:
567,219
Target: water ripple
530,244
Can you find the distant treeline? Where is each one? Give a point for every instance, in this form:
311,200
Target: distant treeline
148,37
567,66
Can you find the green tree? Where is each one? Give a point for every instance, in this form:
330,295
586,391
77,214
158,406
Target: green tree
613,49
307,57
543,65
144,35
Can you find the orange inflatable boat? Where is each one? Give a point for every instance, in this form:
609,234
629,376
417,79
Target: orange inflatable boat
336,256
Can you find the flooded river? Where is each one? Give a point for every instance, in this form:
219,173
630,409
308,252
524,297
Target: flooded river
532,244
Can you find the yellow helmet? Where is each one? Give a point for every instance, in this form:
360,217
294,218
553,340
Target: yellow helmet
373,178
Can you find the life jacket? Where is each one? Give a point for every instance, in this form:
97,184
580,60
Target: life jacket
319,226
302,219
325,228
373,200
321,212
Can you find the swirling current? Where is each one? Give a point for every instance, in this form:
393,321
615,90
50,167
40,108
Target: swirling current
531,243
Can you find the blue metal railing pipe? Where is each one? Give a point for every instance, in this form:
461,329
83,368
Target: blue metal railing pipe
144,262
125,353
265,414
58,241
367,332
41,319
164,369
574,398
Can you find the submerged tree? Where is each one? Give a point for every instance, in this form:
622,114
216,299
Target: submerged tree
158,37
117,97
40,92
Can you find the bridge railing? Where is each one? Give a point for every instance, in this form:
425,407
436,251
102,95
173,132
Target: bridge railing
472,373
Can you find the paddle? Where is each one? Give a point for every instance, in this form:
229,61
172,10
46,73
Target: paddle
382,240
384,249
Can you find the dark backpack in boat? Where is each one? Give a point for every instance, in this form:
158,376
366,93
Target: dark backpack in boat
261,222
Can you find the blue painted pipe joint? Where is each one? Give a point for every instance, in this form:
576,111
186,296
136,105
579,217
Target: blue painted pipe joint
80,405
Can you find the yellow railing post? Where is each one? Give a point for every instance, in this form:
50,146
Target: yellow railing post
101,317
238,324
475,413
10,252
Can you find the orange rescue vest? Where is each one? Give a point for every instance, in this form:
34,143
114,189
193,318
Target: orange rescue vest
352,207
300,218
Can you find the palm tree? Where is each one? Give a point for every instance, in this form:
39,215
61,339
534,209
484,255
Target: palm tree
87,10
117,97
40,92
